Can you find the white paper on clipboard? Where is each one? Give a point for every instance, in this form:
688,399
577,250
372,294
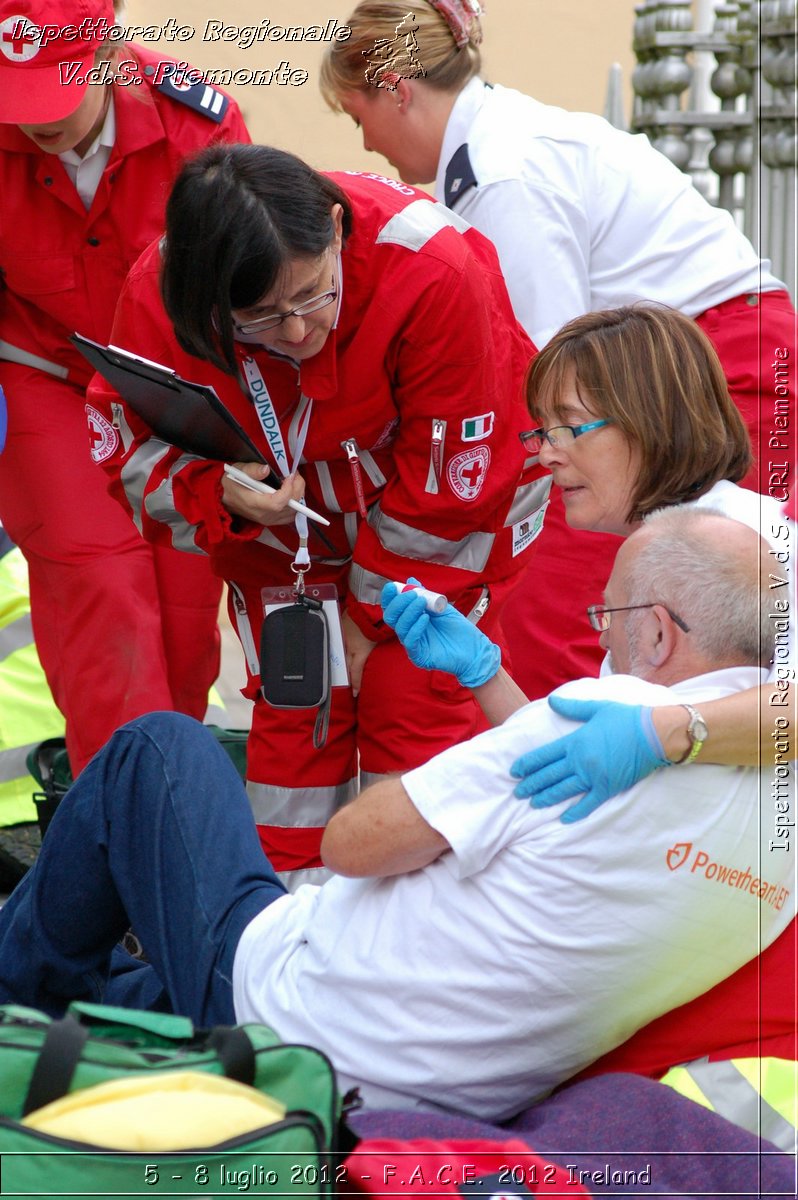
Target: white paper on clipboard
280,597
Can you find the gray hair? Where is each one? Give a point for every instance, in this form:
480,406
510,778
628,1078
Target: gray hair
722,597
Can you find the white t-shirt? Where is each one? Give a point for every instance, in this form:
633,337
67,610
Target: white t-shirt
586,217
480,982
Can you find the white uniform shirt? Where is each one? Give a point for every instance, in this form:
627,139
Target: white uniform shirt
482,981
584,216
86,172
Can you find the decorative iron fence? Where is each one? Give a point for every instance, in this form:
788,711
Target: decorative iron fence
740,150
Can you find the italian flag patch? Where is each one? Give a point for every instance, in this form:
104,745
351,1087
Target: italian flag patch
476,428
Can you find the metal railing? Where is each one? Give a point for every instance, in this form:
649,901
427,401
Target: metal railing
721,104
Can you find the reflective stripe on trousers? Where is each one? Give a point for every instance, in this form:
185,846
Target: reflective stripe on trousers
758,1094
290,825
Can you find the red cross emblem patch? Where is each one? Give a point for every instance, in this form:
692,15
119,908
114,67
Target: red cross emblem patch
467,472
103,438
19,39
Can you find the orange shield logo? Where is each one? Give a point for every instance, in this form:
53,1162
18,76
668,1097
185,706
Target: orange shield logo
677,855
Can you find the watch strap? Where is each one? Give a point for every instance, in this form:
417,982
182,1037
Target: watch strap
696,741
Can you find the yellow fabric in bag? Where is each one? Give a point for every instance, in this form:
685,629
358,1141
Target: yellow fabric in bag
174,1110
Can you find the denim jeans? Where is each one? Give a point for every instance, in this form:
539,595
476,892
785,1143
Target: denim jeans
156,833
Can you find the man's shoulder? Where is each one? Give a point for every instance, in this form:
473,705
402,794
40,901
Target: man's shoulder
624,689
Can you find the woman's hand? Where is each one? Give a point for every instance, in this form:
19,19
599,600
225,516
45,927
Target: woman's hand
260,507
358,648
445,641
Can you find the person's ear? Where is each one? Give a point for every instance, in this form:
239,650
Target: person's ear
337,215
661,638
403,94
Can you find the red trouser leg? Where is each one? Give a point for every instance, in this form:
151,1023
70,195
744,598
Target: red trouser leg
99,593
294,788
188,601
401,717
757,344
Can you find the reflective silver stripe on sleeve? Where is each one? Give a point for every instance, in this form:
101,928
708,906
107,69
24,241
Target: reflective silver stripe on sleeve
16,636
13,763
24,358
415,225
372,470
528,499
470,553
267,538
732,1096
365,586
326,485
298,808
351,525
160,506
136,472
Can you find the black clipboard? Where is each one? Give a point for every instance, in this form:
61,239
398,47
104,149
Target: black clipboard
187,415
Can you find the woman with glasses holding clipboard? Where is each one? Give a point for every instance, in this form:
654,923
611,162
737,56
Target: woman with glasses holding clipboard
363,338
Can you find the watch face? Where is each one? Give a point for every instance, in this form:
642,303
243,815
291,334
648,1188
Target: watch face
698,729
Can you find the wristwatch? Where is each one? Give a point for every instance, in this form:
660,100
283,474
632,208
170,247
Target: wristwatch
697,732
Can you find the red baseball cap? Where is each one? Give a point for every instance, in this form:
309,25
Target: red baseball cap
40,40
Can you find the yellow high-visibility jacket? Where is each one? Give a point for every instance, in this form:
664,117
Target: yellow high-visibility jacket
758,1094
28,713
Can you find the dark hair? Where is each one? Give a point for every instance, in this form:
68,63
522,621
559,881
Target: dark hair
236,217
651,371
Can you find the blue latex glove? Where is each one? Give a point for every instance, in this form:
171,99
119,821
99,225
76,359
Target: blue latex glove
614,749
445,641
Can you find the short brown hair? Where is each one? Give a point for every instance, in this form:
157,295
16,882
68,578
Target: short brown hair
651,371
446,68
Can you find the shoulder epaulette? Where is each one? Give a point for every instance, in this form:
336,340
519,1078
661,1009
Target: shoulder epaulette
460,176
204,99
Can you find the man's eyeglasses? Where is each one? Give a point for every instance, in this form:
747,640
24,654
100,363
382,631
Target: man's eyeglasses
272,320
559,435
600,617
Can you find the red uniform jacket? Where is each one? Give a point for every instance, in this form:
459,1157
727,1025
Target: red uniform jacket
61,267
425,334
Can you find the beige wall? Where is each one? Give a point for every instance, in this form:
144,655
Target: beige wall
558,50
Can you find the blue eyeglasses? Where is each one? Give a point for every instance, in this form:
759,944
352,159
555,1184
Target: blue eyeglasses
561,436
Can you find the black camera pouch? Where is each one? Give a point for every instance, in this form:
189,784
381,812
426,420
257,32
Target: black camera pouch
295,656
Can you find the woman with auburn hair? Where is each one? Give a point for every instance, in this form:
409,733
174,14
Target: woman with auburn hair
633,415
584,217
